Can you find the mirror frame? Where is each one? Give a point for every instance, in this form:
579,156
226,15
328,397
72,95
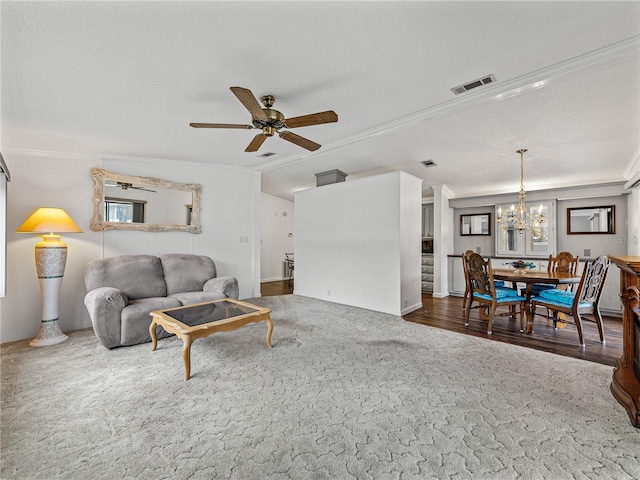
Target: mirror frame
612,225
98,224
462,216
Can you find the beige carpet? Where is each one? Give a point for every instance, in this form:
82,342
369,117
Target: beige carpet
345,393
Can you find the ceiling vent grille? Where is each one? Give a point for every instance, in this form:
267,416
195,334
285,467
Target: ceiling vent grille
474,84
428,163
268,154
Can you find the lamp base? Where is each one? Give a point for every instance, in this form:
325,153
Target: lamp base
49,334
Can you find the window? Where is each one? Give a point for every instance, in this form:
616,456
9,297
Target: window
124,211
510,242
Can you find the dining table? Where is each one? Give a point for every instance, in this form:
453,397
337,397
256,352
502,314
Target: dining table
529,277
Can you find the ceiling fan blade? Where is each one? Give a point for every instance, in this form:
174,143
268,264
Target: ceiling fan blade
300,141
220,125
313,119
250,103
255,144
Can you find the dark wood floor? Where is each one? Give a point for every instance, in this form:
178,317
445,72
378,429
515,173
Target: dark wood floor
447,313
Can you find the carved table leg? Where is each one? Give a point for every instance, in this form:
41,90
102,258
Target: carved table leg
186,356
528,307
154,336
269,329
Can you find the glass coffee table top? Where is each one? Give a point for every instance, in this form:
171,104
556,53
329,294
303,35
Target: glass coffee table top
209,312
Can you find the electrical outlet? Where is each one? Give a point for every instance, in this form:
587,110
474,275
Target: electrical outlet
478,249
328,293
587,252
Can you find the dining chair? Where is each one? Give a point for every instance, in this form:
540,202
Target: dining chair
483,290
585,300
465,256
465,269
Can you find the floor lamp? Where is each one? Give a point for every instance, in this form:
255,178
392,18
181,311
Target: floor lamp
51,256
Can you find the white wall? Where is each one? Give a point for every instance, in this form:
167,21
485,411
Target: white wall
410,243
442,239
358,242
277,222
230,229
598,244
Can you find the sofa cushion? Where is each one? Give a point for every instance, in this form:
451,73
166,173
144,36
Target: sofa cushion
136,319
137,276
186,272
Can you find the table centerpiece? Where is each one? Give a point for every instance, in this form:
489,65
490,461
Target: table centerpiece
521,266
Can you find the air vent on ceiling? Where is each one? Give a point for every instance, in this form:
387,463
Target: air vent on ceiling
428,163
268,154
476,83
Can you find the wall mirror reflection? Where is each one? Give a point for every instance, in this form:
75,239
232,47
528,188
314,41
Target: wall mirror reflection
475,224
589,220
125,202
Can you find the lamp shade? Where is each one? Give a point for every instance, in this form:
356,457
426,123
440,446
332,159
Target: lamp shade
46,219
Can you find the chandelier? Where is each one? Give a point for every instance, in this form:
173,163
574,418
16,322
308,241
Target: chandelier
519,218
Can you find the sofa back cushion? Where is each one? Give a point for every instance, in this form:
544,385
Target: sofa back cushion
138,276
186,273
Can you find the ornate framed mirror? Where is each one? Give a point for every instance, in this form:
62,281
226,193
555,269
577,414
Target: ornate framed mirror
125,202
591,220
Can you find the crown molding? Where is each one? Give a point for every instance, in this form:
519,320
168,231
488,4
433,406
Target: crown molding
99,158
580,65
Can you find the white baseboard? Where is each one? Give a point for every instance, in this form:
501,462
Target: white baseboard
274,279
410,309
611,313
440,295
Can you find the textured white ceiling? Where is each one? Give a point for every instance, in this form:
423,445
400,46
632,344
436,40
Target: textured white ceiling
126,78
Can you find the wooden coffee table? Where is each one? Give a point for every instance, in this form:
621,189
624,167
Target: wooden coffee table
203,319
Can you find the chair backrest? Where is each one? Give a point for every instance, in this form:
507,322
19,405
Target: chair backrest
479,274
465,268
563,262
592,281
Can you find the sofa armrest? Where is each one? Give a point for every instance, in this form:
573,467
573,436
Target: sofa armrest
226,285
105,305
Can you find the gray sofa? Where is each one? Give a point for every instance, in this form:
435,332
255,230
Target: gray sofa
122,291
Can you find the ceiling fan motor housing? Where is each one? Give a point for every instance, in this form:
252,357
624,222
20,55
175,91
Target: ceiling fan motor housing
275,120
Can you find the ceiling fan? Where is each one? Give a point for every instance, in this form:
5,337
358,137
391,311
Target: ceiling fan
126,186
271,121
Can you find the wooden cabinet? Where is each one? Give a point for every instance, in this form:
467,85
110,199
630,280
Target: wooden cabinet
625,384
